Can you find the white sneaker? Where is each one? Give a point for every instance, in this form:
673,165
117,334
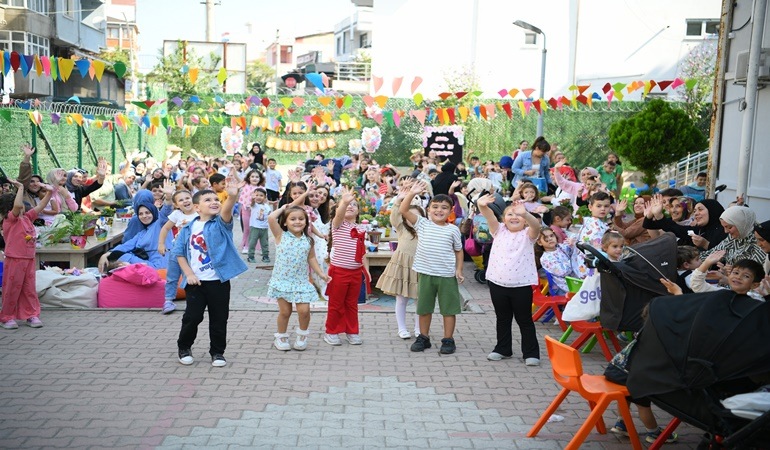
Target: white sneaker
301,342
245,250
403,334
332,339
282,342
355,339
494,356
532,362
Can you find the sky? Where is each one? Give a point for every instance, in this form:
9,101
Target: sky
186,19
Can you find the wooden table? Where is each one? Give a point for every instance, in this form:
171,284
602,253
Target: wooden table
79,257
379,258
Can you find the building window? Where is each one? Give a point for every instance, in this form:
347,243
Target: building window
339,45
12,41
344,42
363,40
16,3
702,27
69,8
37,45
530,38
40,6
113,33
286,54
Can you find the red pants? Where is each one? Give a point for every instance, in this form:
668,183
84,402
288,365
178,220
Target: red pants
343,292
19,293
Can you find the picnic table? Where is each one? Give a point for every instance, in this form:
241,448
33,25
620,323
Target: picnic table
379,258
77,257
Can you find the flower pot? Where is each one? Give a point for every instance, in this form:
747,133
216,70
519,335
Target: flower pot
78,242
89,232
101,234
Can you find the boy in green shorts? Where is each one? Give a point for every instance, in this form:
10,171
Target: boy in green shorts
439,261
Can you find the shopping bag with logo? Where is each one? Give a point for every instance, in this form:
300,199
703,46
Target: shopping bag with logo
586,303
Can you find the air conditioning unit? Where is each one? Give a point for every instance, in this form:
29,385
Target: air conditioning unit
742,67
32,86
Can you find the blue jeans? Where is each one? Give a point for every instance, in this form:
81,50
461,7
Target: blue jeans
173,272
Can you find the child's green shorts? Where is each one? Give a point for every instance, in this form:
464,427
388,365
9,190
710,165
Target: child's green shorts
445,288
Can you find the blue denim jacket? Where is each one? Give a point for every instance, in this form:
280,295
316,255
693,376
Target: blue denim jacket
524,162
218,234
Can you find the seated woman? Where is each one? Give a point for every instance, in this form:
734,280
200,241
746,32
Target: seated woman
681,210
142,247
632,230
740,243
76,184
705,231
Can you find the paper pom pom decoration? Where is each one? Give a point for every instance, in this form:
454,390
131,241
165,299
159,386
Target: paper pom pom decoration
371,138
355,146
231,140
233,109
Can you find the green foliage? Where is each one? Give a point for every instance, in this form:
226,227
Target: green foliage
168,71
654,137
116,55
459,79
258,74
69,223
700,65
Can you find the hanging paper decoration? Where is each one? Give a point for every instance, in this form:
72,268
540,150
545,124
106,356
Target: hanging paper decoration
371,139
231,140
355,146
233,109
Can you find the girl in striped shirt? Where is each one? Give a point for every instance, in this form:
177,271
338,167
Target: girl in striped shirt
346,271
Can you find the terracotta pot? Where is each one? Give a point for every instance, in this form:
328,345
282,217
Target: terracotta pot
78,242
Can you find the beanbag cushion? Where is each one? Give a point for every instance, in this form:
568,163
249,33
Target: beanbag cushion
57,290
180,293
134,286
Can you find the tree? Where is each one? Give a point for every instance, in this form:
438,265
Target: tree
169,71
656,136
699,65
258,74
459,79
116,55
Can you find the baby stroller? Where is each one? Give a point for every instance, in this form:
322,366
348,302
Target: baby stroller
698,349
628,285
479,240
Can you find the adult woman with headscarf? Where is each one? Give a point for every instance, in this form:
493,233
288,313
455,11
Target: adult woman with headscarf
57,178
142,247
534,165
762,234
632,231
740,243
444,180
76,184
704,232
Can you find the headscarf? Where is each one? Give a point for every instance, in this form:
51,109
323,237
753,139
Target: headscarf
144,198
763,229
444,180
713,231
68,184
688,204
741,218
477,185
506,162
591,171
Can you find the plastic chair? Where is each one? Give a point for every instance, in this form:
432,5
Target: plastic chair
600,393
548,304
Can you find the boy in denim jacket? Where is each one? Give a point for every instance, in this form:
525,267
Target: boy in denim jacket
208,259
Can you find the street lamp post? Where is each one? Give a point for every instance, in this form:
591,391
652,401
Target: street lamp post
534,29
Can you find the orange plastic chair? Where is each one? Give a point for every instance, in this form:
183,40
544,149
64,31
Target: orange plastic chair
600,393
590,330
546,303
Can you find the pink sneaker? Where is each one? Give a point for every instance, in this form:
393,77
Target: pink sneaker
9,325
34,322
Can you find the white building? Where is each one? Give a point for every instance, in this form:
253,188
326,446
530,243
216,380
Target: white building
740,136
588,42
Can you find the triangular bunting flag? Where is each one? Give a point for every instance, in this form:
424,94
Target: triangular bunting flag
415,84
418,114
463,110
83,65
444,95
507,109
528,92
222,75
678,82
513,92
418,99
324,101
522,108
377,82
193,73
689,84
397,84
381,100
664,84
502,93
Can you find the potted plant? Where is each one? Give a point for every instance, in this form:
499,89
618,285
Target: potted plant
73,225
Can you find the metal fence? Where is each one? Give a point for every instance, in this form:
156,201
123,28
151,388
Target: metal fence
685,170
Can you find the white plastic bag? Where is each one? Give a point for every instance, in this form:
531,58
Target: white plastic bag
750,405
586,303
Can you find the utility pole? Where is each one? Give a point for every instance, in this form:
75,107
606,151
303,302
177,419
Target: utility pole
277,60
210,20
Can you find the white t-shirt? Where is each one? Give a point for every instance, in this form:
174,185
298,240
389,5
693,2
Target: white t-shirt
259,213
272,179
200,261
496,178
436,247
181,219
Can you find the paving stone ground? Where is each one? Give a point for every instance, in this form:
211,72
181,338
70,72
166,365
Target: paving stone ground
110,379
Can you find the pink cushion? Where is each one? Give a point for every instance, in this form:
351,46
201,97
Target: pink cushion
116,292
137,274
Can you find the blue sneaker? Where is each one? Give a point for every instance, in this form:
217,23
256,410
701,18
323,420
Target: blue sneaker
168,307
620,428
653,436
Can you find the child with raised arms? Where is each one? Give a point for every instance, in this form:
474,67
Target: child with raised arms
510,275
439,261
290,283
183,214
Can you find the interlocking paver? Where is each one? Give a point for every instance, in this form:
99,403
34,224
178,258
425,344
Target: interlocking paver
110,379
